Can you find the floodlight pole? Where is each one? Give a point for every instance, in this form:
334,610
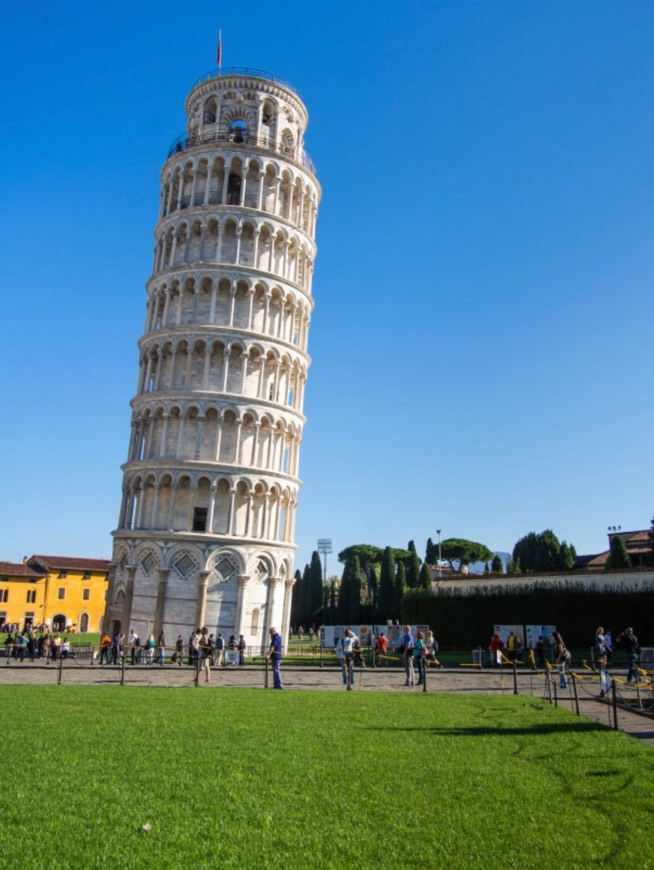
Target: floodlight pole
324,547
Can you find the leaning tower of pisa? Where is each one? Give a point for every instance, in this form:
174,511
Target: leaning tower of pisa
206,528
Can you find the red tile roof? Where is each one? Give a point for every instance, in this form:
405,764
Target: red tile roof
20,569
69,562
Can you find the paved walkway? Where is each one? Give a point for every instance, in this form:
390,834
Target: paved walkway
466,680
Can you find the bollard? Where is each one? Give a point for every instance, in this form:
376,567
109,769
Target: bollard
320,655
515,678
640,702
576,696
549,686
60,670
424,675
122,669
265,684
556,694
614,698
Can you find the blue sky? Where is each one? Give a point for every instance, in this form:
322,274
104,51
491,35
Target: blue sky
481,338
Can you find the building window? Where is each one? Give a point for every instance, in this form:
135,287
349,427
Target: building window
29,617
4,596
31,596
200,520
61,593
87,575
62,575
86,594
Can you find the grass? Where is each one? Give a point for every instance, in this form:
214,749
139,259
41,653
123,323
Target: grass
269,779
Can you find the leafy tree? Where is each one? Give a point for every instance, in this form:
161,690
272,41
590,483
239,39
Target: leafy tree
464,552
367,555
539,552
618,556
566,557
497,566
398,590
386,585
486,570
431,552
424,580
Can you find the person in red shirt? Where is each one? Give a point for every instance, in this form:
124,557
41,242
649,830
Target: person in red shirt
380,649
496,646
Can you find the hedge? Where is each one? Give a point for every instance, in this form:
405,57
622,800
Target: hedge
467,620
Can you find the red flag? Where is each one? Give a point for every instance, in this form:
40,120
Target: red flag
219,51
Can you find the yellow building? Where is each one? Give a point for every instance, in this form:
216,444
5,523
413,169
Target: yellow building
59,592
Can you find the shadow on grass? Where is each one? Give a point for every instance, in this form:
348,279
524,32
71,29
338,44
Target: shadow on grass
486,730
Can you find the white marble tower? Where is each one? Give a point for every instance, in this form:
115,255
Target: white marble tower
206,528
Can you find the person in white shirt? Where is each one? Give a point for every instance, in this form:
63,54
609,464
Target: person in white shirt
345,653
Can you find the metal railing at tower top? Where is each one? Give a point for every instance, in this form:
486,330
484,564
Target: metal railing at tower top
247,71
240,137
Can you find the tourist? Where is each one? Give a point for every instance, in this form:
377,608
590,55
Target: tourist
161,648
117,647
193,647
561,652
135,643
431,645
381,648
105,648
600,648
178,655
65,648
419,653
608,640
275,656
406,648
241,647
204,654
220,650
148,650
600,660
345,655
513,646
631,647
496,645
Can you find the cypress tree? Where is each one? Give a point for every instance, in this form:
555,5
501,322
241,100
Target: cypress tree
343,606
355,586
412,568
618,557
399,589
497,566
424,581
315,591
386,585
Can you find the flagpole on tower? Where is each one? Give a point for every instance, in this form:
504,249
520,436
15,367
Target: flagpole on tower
219,51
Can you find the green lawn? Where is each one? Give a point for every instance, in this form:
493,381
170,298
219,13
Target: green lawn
257,779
